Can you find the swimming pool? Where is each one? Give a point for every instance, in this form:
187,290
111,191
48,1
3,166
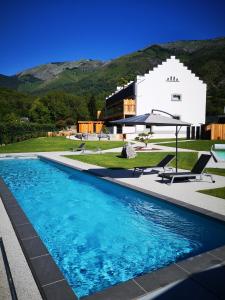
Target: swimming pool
219,155
100,233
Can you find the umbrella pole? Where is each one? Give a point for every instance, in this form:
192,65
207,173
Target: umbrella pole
176,147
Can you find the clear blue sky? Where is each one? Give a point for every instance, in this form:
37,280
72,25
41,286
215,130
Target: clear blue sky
34,32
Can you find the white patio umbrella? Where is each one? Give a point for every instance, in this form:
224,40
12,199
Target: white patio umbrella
156,120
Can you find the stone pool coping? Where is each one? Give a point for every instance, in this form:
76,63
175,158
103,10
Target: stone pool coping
53,285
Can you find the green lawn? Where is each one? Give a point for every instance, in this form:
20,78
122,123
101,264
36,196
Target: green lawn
199,145
112,160
43,144
220,172
219,192
186,160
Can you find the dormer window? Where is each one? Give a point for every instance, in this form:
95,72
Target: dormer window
176,97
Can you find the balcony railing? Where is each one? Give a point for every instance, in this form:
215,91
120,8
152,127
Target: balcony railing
129,107
122,108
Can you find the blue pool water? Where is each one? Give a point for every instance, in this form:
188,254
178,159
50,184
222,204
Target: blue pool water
100,233
220,154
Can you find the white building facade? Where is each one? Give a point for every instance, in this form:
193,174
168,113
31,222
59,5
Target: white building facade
170,87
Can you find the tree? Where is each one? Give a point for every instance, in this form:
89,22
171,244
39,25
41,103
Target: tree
14,102
144,137
61,124
123,80
69,122
92,107
39,112
57,105
11,118
63,106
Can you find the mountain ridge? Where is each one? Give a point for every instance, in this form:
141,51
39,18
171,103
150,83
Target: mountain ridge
50,70
83,78
167,45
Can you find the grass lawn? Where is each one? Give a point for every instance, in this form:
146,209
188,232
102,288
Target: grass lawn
199,145
220,172
186,160
111,160
219,192
44,144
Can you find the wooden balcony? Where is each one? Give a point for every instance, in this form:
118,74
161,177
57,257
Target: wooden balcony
124,107
129,107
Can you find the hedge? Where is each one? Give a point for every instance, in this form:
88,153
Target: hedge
16,132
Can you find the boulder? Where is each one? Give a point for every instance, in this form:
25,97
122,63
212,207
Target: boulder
128,152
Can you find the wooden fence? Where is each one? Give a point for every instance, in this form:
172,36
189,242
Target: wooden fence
90,126
217,131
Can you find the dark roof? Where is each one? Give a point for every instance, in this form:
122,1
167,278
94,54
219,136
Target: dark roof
151,119
127,92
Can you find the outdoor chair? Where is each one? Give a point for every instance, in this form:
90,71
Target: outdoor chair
81,148
195,173
103,136
162,164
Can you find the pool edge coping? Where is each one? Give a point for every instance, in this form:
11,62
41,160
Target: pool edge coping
35,252
134,284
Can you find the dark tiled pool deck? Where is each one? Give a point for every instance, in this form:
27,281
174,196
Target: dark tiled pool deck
198,277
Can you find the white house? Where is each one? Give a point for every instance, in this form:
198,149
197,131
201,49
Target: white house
170,87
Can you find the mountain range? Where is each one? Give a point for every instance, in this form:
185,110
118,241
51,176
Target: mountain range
86,78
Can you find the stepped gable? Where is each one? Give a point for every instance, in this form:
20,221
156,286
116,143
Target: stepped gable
140,78
173,59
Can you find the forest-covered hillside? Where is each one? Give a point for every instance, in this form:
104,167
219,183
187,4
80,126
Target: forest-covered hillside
62,90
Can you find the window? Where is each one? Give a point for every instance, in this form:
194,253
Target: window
172,79
176,97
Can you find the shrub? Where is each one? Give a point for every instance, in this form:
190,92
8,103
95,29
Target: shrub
15,132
